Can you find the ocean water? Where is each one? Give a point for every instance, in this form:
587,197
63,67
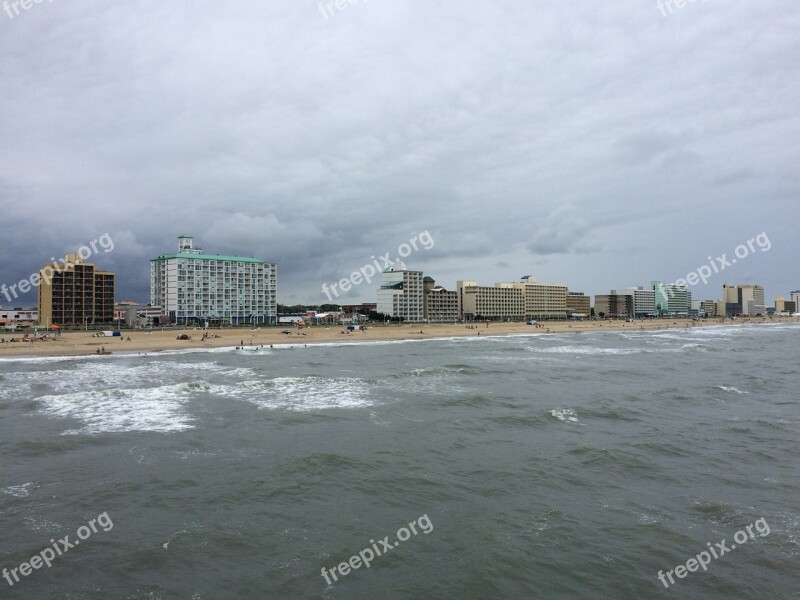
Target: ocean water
541,466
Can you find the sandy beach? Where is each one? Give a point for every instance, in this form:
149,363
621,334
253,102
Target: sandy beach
84,343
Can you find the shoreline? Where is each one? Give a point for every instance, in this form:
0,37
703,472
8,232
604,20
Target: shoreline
83,344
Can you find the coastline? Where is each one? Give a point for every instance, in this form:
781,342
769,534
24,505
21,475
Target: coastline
82,343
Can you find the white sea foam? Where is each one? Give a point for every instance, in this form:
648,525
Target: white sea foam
19,491
298,393
565,414
148,409
99,376
728,388
584,350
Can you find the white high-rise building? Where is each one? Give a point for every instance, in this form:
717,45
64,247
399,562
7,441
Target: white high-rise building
194,287
644,301
401,293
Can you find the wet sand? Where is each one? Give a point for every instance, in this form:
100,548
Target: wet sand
84,343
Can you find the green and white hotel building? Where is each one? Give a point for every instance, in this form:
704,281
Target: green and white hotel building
197,288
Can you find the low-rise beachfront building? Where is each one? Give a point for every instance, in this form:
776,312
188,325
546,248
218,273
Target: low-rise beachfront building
503,302
614,305
644,301
194,287
75,293
133,314
12,318
401,293
440,305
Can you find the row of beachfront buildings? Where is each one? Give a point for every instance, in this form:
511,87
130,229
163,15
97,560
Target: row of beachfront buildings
193,287
413,297
188,286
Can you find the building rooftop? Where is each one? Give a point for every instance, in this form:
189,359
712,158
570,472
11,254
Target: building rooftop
190,256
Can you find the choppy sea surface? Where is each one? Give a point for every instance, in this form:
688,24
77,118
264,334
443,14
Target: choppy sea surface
548,466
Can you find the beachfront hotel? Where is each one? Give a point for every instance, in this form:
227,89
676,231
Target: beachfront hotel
579,305
644,301
795,297
542,301
671,299
194,287
401,293
783,306
614,305
73,292
499,303
744,300
513,301
439,305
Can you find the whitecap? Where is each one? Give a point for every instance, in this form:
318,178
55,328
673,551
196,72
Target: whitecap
730,388
18,491
299,393
565,414
158,409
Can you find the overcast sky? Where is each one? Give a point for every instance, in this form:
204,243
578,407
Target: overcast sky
592,144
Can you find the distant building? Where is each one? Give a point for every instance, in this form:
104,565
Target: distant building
194,287
440,305
75,293
783,306
135,315
357,311
743,300
11,318
400,295
614,305
578,305
503,302
708,308
795,297
644,301
672,300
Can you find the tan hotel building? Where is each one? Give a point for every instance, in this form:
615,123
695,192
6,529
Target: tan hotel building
75,293
543,301
499,303
579,304
514,301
